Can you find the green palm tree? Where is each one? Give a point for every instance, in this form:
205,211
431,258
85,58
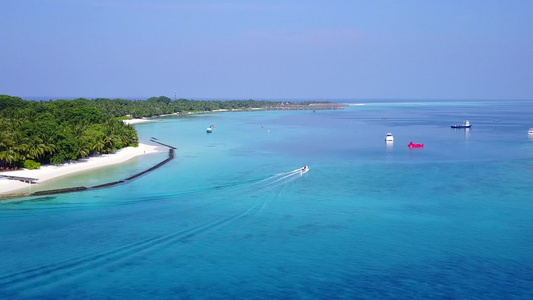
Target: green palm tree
98,146
36,149
11,157
84,148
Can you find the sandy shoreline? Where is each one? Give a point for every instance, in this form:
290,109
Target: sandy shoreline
135,121
49,172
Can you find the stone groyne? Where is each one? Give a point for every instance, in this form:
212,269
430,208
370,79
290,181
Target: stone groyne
105,185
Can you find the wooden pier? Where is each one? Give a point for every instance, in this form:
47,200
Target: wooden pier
18,178
83,188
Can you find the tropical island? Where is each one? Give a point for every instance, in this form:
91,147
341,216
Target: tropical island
55,132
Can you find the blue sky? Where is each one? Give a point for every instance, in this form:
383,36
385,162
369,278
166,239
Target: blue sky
403,49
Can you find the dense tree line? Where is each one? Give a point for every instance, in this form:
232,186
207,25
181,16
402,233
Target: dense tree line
156,106
35,132
32,132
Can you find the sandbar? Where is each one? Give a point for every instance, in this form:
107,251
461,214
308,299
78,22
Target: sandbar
48,172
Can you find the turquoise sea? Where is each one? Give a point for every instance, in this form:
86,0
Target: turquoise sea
228,218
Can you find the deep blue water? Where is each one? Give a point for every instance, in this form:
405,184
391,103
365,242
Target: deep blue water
227,219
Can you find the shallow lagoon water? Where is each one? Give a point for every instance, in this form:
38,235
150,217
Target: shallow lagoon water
228,217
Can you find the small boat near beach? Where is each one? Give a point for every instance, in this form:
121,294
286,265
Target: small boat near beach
465,124
210,129
414,146
389,137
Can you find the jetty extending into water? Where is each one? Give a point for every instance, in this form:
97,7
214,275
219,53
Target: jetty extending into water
83,188
18,178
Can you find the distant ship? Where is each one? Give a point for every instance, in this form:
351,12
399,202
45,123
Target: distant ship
389,137
465,124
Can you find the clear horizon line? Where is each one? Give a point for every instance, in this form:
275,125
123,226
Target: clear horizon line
46,98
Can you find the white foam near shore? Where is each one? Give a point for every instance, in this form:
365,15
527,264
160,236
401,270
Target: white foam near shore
49,172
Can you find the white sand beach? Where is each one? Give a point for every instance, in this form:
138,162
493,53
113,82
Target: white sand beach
135,121
50,171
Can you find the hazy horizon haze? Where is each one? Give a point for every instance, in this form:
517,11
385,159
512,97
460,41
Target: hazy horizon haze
267,50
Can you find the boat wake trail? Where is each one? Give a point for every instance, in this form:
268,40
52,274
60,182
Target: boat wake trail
251,186
64,270
53,273
275,183
278,180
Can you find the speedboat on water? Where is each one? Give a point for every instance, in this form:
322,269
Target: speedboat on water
389,137
413,145
304,169
210,129
530,132
465,124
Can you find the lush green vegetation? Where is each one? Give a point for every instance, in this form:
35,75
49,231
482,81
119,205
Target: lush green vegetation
156,106
33,132
56,131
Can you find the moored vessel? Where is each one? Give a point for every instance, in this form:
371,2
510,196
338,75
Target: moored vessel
413,145
466,124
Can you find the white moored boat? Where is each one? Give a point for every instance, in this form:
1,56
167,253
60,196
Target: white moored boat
466,124
389,137
530,132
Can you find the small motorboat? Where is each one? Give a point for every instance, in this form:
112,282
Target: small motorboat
210,129
465,124
304,169
389,137
414,146
530,132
